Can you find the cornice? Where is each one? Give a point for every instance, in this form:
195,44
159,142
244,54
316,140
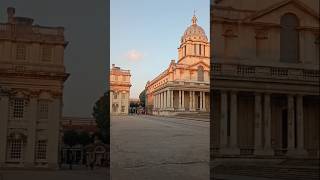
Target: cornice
35,75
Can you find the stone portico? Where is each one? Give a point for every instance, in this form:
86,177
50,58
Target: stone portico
177,97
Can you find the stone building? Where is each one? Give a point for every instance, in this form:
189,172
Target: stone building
119,90
32,74
184,86
265,78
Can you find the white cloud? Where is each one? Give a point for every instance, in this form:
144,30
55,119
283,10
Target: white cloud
134,55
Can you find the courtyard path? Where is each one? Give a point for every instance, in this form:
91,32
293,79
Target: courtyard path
159,148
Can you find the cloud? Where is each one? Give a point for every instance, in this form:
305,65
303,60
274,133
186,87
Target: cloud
134,55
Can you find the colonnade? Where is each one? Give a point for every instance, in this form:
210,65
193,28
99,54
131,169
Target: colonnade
262,124
165,100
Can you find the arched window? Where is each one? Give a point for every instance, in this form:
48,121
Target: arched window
200,73
289,39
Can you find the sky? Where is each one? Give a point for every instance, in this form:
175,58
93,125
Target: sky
86,56
145,35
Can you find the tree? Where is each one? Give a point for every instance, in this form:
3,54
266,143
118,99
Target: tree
71,139
142,98
101,111
84,138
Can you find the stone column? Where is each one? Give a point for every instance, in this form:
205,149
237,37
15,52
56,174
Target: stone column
223,121
168,99
182,101
300,122
190,101
171,99
162,100
267,150
111,98
258,124
165,100
158,99
31,136
204,101
179,100
200,93
300,127
55,108
291,125
193,100
155,101
234,124
4,109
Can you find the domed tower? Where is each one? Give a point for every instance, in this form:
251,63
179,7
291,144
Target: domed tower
194,44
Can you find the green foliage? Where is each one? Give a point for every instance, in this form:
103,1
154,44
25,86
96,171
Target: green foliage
71,138
142,98
84,138
101,112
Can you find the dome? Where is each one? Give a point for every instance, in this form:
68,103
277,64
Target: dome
194,32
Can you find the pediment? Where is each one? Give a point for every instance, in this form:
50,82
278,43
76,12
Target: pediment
272,15
200,63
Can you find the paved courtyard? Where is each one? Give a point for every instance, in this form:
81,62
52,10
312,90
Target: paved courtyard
80,174
157,148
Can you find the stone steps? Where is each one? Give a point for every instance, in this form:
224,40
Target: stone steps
269,172
202,115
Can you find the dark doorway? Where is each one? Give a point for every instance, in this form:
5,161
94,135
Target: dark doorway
198,102
284,128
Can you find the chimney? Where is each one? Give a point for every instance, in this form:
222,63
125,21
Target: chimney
173,61
113,65
10,11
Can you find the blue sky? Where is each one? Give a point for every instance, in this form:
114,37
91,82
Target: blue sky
145,35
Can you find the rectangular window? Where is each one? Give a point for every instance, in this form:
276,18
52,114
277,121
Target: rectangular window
185,50
122,108
43,109
21,52
115,95
116,78
15,149
123,95
41,150
199,49
18,108
204,50
46,53
195,49
123,78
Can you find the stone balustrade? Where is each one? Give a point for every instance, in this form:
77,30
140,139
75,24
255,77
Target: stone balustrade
265,72
33,33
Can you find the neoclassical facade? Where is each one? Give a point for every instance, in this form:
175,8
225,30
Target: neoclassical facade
119,90
184,86
32,74
265,78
